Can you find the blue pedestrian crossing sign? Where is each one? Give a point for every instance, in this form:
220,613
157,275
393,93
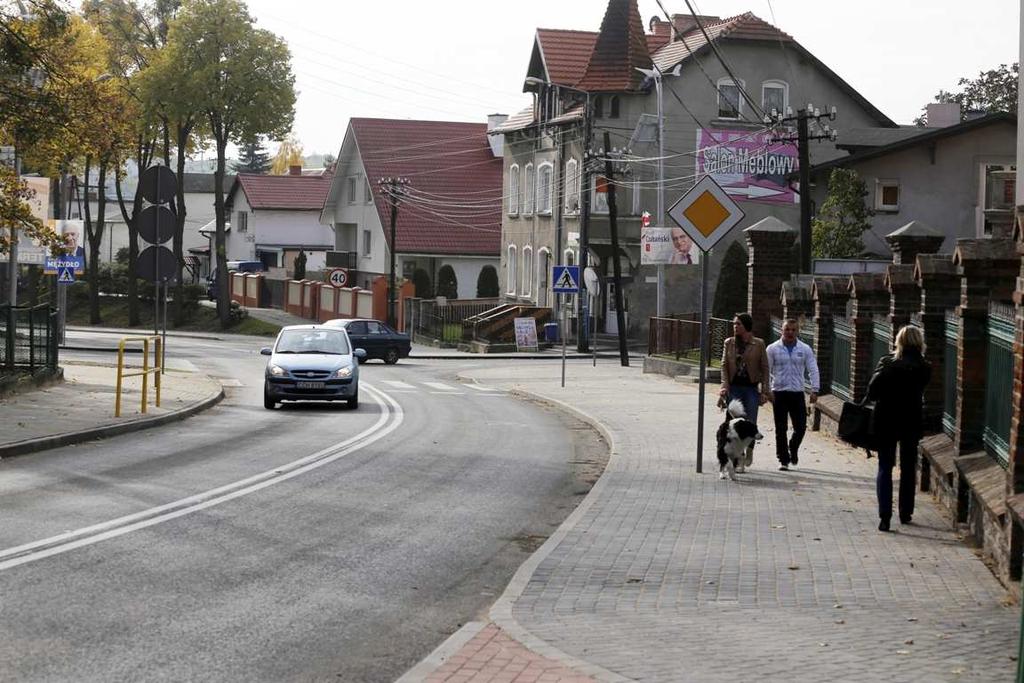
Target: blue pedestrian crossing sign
66,274
565,279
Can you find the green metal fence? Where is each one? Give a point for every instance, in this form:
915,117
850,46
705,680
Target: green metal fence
950,357
842,342
881,340
28,338
999,382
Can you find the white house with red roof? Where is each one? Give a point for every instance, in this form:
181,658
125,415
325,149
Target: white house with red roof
449,215
274,217
709,128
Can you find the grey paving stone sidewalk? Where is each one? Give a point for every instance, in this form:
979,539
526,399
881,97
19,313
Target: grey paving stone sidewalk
674,576
82,407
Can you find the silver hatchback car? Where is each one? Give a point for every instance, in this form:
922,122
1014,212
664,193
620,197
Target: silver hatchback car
311,363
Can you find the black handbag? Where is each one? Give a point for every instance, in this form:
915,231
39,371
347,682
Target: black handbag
857,425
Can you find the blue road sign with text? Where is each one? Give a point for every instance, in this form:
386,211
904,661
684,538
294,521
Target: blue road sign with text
565,279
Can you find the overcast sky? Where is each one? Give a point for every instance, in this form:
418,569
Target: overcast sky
461,60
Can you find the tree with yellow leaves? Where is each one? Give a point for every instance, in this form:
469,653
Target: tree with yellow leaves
288,154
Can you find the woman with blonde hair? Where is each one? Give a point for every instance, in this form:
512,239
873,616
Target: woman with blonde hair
897,388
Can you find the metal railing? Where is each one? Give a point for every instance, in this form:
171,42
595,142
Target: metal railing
950,357
29,338
156,370
842,343
999,382
428,320
679,337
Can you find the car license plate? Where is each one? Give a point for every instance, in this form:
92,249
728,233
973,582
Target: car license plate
309,385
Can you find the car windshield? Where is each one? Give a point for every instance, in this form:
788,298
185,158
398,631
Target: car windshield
333,342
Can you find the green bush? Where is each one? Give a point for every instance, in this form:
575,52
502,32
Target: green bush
447,283
236,313
421,281
487,283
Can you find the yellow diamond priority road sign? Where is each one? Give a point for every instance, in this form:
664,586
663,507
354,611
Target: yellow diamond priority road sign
706,213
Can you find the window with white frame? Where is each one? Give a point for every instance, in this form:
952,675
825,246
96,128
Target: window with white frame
351,190
572,186
599,203
729,103
513,190
531,190
544,188
367,242
526,286
887,195
774,97
511,267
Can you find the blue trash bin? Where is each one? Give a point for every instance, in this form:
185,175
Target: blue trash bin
551,332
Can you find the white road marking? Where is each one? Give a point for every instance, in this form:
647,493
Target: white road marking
442,387
481,388
71,540
397,384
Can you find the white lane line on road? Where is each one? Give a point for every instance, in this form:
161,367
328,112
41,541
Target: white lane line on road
396,384
441,386
56,545
479,387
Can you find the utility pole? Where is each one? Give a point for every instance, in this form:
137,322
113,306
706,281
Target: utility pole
803,137
620,315
583,340
394,190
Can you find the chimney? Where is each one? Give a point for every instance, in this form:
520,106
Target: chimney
660,29
943,114
685,23
497,141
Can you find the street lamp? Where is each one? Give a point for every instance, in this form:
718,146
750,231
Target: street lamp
584,307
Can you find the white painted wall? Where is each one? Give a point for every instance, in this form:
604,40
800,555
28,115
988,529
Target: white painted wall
467,270
274,229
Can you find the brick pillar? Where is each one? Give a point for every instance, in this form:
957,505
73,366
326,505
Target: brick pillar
989,269
797,299
904,295
830,295
869,297
912,239
769,244
939,282
1016,477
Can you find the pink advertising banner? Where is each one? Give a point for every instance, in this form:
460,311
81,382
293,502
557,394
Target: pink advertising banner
747,165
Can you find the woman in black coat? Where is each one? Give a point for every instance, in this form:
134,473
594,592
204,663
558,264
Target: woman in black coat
897,388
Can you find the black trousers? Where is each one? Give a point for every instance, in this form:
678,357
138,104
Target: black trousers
789,404
908,475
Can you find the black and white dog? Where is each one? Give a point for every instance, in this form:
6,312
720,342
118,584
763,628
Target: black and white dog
735,436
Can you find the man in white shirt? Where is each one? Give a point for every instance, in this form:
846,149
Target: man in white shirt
789,362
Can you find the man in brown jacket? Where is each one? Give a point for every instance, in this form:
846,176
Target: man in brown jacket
745,370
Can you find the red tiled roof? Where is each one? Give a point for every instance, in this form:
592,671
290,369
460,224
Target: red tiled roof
621,48
454,205
566,53
284,192
743,26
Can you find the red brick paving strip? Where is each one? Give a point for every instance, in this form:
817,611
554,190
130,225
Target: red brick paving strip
493,656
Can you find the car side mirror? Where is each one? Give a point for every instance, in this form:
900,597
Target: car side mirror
265,351
360,353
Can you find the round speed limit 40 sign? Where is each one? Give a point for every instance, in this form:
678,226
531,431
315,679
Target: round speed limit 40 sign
338,277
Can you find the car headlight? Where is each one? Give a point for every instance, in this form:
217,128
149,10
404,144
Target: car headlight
276,371
343,373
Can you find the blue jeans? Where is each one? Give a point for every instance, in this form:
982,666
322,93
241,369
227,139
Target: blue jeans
749,397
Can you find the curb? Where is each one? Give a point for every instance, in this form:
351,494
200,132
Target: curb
442,653
58,440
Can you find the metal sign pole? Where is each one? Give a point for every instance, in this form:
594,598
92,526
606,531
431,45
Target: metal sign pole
156,267
593,337
565,322
163,345
704,343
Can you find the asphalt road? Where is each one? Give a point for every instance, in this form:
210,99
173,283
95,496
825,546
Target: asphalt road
307,543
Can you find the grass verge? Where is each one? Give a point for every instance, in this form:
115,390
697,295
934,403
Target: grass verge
114,313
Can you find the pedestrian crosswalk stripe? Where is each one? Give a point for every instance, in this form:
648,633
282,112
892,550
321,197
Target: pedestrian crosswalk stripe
441,386
398,385
481,388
